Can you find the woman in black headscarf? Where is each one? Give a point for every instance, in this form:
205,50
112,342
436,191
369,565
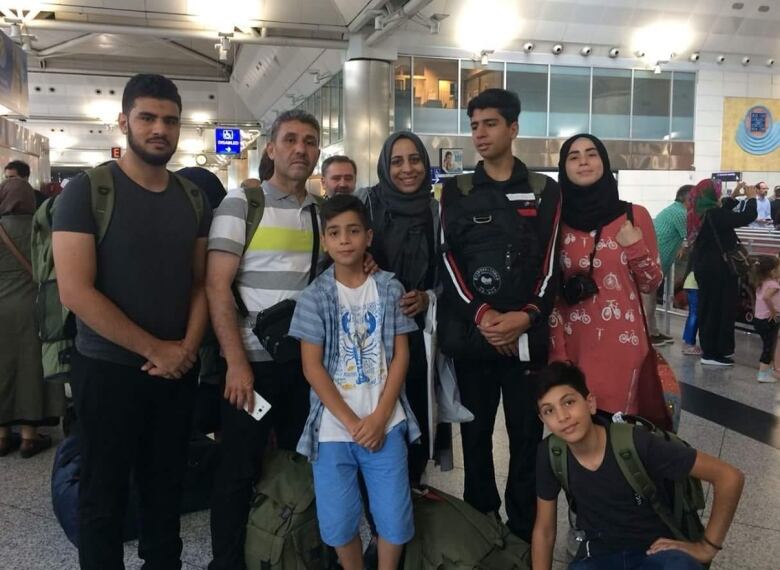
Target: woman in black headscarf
404,218
606,260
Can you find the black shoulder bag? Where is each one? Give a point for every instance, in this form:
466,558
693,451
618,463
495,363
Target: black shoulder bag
273,324
736,258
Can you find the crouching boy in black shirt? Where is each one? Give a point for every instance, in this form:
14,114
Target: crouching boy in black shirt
621,529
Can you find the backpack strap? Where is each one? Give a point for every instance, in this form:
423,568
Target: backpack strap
630,212
558,461
622,438
194,194
101,183
537,182
465,183
255,198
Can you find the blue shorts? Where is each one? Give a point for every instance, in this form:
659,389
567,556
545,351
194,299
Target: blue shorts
339,504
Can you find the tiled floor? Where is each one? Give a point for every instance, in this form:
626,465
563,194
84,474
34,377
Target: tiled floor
31,539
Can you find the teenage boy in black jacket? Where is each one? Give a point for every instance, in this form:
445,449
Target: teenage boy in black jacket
498,237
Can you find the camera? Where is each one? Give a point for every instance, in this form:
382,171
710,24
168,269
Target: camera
694,56
614,52
745,60
557,48
578,288
770,62
585,50
720,58
528,47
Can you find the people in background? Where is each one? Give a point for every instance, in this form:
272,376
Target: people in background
26,402
711,223
765,273
670,232
20,169
763,206
339,175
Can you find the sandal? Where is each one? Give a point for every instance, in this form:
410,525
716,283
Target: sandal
32,447
9,443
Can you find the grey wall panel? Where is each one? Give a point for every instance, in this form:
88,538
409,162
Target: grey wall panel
367,113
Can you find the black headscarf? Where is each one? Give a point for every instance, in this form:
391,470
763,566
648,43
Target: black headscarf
402,237
587,208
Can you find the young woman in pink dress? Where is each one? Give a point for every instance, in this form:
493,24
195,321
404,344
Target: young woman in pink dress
606,260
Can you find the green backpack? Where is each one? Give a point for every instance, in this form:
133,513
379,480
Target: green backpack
56,325
452,535
282,531
687,496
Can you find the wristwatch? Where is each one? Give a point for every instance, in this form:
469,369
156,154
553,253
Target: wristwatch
535,315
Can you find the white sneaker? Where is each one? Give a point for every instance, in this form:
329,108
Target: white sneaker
766,377
716,362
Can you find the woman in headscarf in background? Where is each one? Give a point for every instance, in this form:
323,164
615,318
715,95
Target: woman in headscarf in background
25,400
710,221
606,261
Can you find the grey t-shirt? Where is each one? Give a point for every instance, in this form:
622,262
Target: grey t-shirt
144,263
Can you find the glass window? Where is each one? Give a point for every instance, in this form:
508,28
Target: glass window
402,77
474,79
325,136
651,105
530,84
435,85
335,109
683,97
569,100
611,103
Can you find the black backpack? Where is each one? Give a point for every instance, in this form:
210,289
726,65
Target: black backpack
494,238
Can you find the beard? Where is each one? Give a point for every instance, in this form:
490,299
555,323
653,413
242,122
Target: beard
148,157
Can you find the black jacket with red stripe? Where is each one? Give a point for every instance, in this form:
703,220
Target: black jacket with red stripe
499,251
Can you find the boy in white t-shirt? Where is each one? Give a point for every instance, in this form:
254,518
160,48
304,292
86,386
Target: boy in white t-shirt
355,355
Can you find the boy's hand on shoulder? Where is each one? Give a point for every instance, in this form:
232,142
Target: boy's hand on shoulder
370,432
701,551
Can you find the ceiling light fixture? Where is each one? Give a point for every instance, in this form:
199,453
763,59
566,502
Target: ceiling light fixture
585,51
694,56
557,49
483,56
614,52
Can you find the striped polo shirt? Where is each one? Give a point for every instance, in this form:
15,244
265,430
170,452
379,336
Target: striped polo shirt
277,262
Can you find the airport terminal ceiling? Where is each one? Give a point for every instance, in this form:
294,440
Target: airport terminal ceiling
239,62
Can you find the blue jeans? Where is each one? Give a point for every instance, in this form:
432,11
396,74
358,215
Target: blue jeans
692,322
638,560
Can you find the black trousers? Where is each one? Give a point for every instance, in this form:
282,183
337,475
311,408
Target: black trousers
767,329
130,421
718,296
243,443
482,384
417,394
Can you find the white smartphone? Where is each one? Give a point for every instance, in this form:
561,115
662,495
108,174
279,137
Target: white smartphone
262,407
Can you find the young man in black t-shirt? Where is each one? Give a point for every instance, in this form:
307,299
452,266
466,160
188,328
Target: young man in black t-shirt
141,312
621,529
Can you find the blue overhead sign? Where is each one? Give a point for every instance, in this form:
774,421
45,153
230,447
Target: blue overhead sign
228,141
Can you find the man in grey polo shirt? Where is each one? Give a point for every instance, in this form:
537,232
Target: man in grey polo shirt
274,266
